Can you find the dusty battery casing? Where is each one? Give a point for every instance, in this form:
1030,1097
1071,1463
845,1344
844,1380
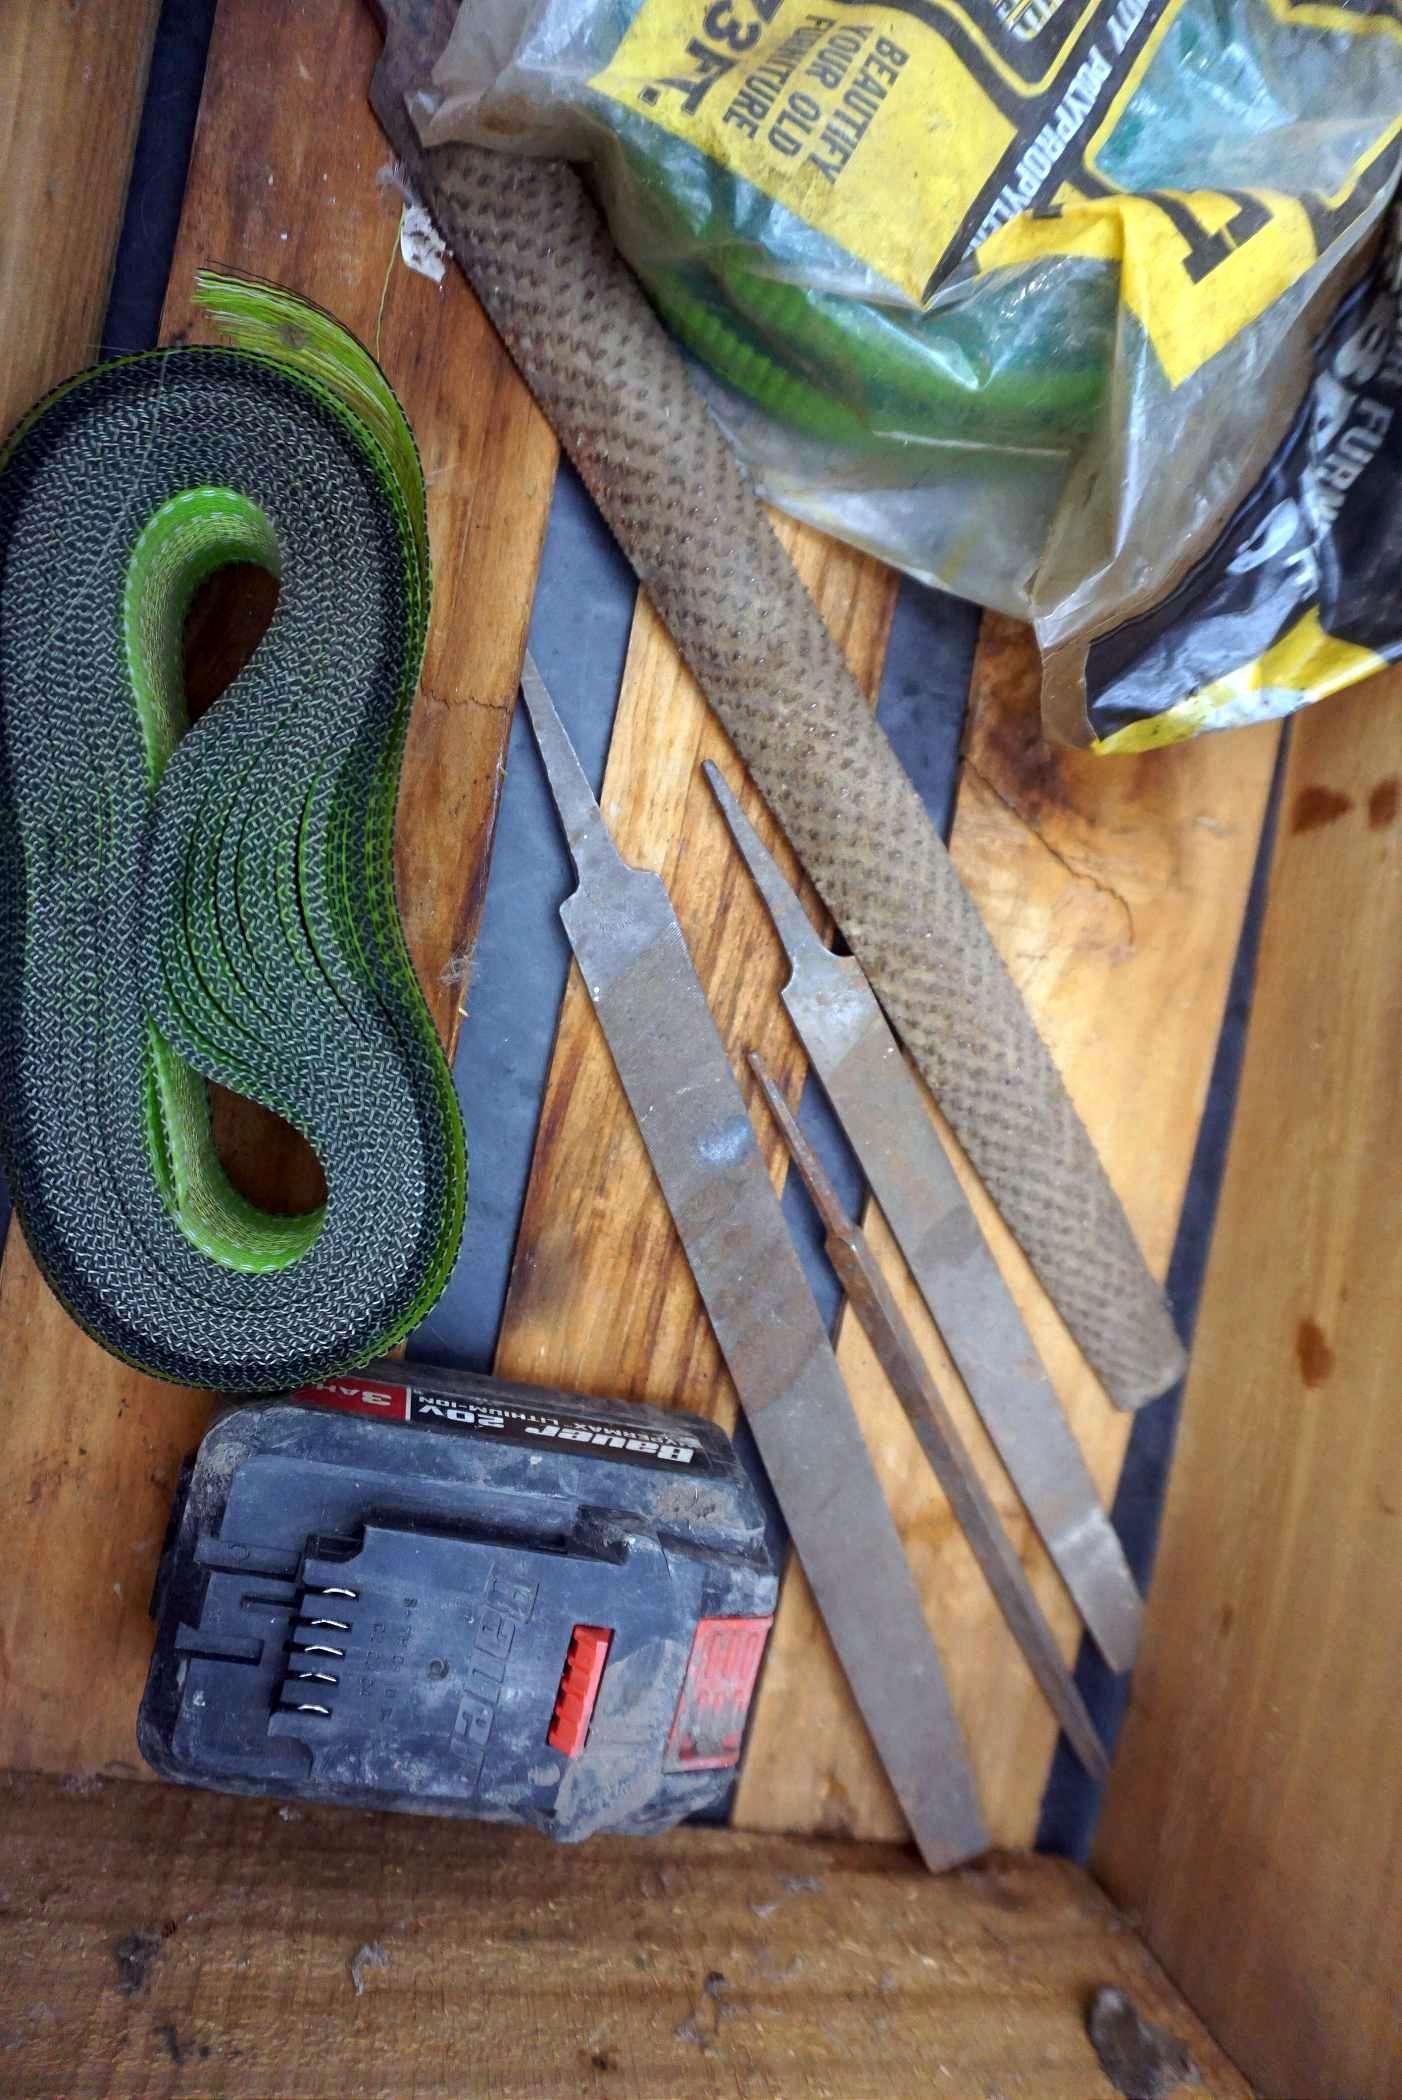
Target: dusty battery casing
425,1590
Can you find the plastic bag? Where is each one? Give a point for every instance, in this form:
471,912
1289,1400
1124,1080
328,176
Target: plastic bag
1023,298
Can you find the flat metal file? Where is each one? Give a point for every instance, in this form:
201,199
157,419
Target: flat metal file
675,1072
898,1353
879,1106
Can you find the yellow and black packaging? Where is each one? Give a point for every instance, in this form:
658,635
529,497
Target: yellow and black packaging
1022,295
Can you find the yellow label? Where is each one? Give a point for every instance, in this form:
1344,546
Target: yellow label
860,119
1306,663
1196,267
918,135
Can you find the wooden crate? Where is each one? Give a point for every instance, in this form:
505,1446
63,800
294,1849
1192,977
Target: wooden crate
1255,1816
1115,892
158,1942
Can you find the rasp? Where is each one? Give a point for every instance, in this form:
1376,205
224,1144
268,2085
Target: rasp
885,1327
879,1105
675,1072
617,392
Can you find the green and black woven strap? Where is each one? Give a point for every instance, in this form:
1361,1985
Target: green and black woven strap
181,903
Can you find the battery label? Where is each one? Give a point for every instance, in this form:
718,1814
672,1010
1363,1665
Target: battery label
358,1396
709,1726
515,1422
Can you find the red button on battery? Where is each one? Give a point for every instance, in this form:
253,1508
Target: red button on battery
579,1688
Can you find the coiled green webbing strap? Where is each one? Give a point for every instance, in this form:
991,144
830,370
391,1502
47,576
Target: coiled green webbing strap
216,901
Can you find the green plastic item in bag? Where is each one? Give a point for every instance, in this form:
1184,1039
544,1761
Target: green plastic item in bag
1024,298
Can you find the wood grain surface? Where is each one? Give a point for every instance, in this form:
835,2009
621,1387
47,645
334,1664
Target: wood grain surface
282,185
160,1942
1255,1818
1115,892
75,79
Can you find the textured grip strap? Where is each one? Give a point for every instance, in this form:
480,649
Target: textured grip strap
614,387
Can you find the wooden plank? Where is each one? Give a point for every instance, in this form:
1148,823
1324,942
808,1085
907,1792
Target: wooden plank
282,185
601,1299
65,159
66,139
1255,1819
1114,890
182,1944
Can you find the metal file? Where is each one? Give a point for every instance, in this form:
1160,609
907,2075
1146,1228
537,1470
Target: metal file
869,1295
879,1105
675,1072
